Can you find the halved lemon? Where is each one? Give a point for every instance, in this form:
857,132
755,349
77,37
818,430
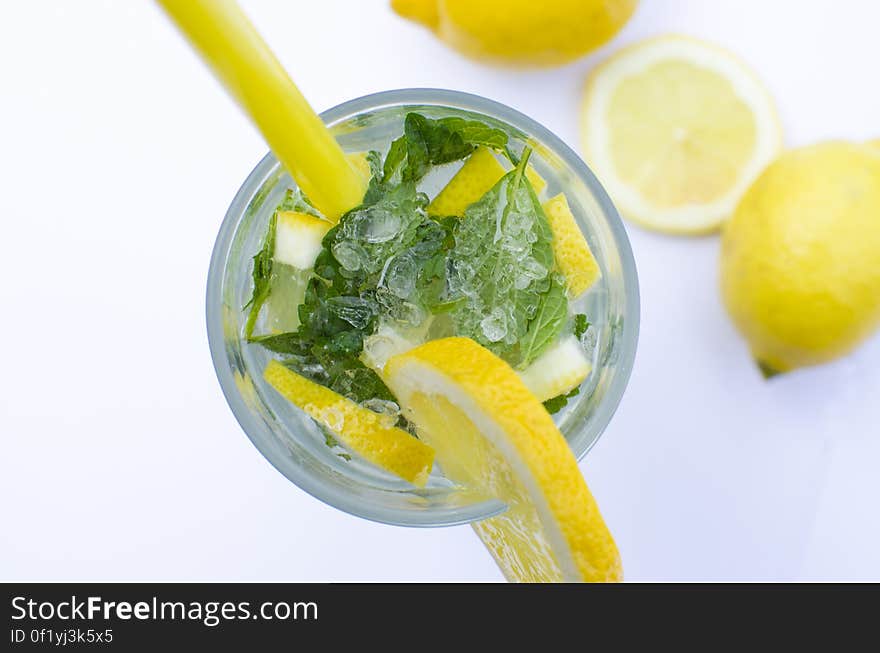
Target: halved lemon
677,129
493,436
359,429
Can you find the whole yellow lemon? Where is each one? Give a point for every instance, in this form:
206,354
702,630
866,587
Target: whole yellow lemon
800,259
527,32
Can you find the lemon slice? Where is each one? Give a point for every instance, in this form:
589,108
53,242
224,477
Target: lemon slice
677,130
475,178
557,371
492,435
573,254
362,431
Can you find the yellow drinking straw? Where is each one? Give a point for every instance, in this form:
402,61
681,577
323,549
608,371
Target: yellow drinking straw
242,61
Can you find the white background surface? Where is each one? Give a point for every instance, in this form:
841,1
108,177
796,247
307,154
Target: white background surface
119,458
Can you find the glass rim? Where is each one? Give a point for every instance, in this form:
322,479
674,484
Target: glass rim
347,501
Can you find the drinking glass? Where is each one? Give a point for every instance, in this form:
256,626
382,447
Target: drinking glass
288,438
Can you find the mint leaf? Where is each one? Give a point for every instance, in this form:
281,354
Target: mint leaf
547,324
557,403
475,132
417,130
331,361
374,161
581,324
501,272
431,281
395,159
427,142
391,248
295,200
262,275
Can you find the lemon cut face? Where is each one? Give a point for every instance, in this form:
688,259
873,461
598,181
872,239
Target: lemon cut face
677,130
493,436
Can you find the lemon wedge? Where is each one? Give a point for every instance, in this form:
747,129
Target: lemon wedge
479,173
475,178
677,130
297,244
558,371
362,431
492,435
573,255
298,238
